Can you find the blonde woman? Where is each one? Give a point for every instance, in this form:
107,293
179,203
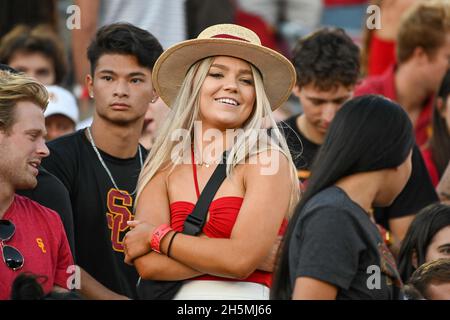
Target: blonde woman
222,83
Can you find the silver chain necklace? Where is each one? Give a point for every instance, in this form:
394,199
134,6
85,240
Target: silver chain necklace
104,164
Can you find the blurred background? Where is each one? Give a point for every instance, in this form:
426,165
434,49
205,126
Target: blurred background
59,31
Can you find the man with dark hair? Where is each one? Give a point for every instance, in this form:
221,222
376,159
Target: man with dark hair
36,51
113,38
423,55
100,165
327,65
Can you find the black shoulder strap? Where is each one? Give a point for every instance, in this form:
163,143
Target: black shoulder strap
196,220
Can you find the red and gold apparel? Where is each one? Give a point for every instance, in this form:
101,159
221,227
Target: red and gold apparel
100,209
120,204
42,241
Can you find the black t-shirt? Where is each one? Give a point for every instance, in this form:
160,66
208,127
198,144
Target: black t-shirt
100,211
51,193
417,194
302,150
335,241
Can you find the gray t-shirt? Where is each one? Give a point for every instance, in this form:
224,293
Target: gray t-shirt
335,241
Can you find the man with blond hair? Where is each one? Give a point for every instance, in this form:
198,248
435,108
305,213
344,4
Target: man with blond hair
32,237
423,55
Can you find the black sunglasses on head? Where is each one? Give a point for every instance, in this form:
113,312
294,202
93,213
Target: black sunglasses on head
11,256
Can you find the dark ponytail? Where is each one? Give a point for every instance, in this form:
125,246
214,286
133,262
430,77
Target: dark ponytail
369,133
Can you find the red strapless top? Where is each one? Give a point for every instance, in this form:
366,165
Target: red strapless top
223,213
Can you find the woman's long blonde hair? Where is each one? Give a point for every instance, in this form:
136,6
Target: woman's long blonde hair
184,113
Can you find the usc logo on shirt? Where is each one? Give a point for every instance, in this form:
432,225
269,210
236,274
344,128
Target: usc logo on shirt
41,245
119,206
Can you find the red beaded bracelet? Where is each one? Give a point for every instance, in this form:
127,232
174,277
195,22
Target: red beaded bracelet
158,235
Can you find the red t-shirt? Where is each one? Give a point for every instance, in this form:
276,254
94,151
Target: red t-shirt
384,84
41,239
381,55
431,166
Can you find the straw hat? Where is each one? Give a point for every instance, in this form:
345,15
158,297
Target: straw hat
224,40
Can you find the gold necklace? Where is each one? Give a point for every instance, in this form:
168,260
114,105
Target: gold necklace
204,164
201,162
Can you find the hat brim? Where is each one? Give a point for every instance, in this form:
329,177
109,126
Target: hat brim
171,67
